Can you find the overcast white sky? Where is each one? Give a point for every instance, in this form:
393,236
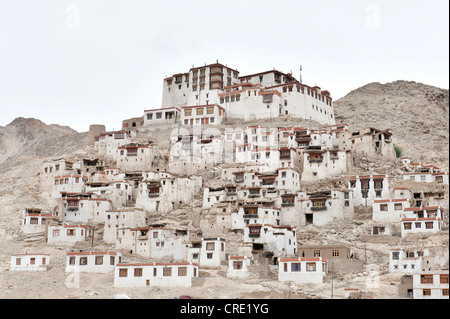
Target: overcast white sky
83,62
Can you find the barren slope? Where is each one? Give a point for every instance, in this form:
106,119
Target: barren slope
28,140
417,114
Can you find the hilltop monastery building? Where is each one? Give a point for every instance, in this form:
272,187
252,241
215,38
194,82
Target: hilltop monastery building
211,93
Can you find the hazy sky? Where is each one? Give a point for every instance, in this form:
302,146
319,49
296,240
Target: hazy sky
83,62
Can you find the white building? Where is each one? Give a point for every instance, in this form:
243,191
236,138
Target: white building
255,214
427,177
407,261
122,218
212,114
155,274
92,261
302,270
82,208
268,94
118,192
238,267
162,192
136,157
320,208
106,144
431,285
34,220
279,240
154,242
29,262
164,116
389,210
67,234
212,252
320,163
417,220
68,184
368,188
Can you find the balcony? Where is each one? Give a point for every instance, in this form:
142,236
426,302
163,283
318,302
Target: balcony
315,160
253,195
303,138
254,235
142,237
318,208
72,208
153,194
231,193
287,204
251,215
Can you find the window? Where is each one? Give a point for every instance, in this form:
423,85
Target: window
418,225
99,260
335,252
443,279
209,110
398,206
296,267
395,255
71,260
310,266
182,271
316,253
187,112
32,261
429,225
426,292
71,232
444,292
137,272
123,272
407,226
426,279
167,271
210,246
237,265
384,207
209,255
83,261
112,260
200,111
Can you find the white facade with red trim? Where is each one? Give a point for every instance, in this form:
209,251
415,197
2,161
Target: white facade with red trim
29,262
302,270
155,274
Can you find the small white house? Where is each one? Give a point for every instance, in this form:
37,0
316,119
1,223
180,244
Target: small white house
29,262
92,261
421,220
212,252
303,270
389,210
34,220
155,274
66,234
406,261
238,267
431,285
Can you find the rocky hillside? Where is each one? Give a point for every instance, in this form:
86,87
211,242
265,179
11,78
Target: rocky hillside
416,113
26,140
